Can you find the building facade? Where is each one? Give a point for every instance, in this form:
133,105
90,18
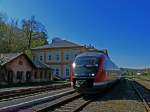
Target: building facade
18,68
59,55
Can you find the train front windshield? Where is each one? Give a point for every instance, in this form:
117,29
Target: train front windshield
86,66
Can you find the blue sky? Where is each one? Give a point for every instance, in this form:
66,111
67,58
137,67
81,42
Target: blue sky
121,26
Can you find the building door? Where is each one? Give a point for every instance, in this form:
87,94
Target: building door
19,76
28,76
10,77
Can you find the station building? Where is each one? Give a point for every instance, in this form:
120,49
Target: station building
59,55
18,68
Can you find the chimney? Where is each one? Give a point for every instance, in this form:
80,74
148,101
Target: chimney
56,39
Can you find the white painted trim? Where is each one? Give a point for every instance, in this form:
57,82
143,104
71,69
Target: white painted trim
103,83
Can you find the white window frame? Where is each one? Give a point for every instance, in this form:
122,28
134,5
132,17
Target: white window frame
67,57
57,57
41,58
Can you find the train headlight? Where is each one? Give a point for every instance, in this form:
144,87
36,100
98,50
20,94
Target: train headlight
93,74
96,65
74,65
75,74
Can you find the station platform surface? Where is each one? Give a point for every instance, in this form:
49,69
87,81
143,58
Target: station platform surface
28,87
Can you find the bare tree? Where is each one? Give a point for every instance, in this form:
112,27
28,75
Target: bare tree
15,38
32,29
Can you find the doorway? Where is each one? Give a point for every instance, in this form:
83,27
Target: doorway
28,76
10,77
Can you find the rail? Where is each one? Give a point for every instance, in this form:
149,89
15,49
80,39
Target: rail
146,104
30,91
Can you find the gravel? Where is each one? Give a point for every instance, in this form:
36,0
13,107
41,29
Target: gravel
144,83
121,98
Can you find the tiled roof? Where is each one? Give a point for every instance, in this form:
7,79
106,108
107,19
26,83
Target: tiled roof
7,57
57,43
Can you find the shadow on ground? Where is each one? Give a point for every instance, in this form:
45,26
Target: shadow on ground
122,91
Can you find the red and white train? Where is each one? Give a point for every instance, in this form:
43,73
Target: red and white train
93,71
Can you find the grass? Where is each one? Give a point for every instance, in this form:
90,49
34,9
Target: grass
146,77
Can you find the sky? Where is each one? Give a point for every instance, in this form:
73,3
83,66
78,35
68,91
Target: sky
121,26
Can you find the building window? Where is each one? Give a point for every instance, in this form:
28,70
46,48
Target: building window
33,58
67,57
57,57
45,74
67,72
57,71
28,76
35,75
19,75
20,62
52,71
49,57
49,74
41,75
41,58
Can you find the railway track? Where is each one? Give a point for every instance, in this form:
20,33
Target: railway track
74,103
145,98
35,102
30,91
143,79
73,106
67,100
70,103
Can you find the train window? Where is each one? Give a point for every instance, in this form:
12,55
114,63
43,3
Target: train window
109,65
87,60
85,70
86,65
